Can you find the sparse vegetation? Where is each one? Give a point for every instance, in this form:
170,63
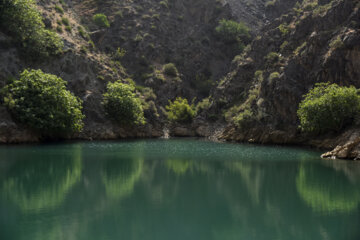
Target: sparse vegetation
23,21
41,102
336,43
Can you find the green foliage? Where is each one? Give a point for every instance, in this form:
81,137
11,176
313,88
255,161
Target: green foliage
244,118
101,20
336,43
273,76
203,105
300,48
284,29
23,21
231,32
272,58
83,33
180,111
65,21
270,3
122,105
59,9
170,70
328,107
164,4
284,46
41,101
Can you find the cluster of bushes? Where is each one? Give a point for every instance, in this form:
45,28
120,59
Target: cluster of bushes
41,102
232,32
328,107
22,20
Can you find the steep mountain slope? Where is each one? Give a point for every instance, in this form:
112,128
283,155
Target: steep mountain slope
314,42
247,96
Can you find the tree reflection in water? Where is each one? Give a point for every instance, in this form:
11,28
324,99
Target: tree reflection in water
44,182
326,190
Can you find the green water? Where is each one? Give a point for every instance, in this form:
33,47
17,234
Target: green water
175,189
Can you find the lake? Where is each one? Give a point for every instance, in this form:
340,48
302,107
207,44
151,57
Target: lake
179,189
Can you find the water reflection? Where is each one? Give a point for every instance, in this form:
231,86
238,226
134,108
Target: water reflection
177,190
120,175
326,190
42,183
178,166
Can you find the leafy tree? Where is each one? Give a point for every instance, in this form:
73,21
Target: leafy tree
170,70
180,111
232,32
328,107
122,105
21,19
101,20
41,101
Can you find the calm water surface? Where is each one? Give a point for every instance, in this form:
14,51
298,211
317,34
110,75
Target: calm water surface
175,189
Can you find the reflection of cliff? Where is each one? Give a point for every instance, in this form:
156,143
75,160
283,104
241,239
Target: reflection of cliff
43,183
120,175
325,190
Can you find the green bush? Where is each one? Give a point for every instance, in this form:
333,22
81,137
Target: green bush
41,101
101,20
170,70
59,9
22,20
231,32
243,119
65,21
328,107
122,105
272,58
180,111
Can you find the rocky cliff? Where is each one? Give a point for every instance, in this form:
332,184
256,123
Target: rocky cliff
313,42
295,45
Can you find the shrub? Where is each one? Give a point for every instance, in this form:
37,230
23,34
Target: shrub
23,21
122,105
274,75
328,107
284,29
336,43
41,101
180,111
83,33
59,9
243,119
231,32
65,21
101,20
170,70
272,57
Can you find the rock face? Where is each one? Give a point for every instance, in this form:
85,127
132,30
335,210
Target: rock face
150,34
297,45
315,44
349,150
